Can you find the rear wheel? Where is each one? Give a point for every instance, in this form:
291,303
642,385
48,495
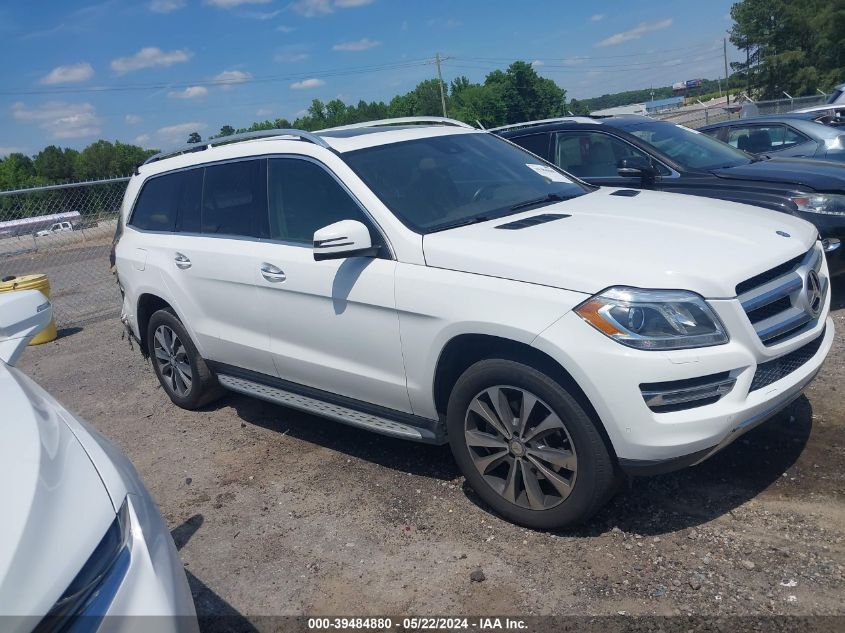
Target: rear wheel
182,372
527,447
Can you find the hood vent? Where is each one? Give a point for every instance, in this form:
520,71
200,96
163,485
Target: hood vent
627,193
534,220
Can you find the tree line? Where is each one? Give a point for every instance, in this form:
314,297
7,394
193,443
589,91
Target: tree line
789,46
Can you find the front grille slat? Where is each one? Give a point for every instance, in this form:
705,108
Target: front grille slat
773,370
773,300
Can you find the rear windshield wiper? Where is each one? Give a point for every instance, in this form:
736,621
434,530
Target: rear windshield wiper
547,199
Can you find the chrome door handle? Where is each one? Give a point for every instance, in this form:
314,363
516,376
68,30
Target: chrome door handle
182,261
272,273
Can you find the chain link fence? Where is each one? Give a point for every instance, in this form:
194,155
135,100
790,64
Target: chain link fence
65,232
696,116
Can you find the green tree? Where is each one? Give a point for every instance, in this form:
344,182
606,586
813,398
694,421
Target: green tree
790,46
52,164
226,130
17,171
194,137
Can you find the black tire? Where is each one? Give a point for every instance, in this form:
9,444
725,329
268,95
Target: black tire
203,387
593,478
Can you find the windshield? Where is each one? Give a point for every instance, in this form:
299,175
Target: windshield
440,182
690,149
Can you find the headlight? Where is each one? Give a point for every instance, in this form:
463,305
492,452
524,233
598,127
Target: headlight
91,591
824,203
653,319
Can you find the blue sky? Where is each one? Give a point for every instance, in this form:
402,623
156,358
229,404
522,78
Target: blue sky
151,71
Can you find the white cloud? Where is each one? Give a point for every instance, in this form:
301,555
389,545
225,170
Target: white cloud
68,74
289,58
574,61
228,4
191,92
261,15
178,133
166,6
537,63
313,8
282,28
149,57
597,17
142,139
230,77
307,83
132,119
635,33
263,112
5,151
60,119
363,44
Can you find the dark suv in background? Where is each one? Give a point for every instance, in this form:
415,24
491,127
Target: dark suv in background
640,153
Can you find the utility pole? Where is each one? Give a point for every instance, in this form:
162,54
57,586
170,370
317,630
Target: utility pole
440,78
727,87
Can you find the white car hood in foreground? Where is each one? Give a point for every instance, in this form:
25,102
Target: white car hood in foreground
55,507
651,240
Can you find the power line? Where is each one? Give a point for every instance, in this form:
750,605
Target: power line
211,82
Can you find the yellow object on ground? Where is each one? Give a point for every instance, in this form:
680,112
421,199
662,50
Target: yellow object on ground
33,282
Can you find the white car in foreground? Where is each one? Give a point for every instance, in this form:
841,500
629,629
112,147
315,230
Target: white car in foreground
437,283
80,537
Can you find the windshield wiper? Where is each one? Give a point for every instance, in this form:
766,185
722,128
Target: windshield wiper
476,219
547,199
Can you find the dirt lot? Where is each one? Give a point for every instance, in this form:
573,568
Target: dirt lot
278,512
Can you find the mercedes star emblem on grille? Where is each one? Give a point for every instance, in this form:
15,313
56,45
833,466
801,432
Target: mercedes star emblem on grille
814,293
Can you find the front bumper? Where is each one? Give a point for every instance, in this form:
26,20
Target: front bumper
646,441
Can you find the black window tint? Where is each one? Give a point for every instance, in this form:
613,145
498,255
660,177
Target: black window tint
234,198
157,205
595,155
190,202
304,198
535,143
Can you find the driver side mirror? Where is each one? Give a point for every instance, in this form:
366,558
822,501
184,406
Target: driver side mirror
23,314
347,238
637,167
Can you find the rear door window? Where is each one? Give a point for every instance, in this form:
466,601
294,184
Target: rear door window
234,200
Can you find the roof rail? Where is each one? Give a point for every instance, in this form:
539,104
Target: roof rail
435,120
235,138
513,126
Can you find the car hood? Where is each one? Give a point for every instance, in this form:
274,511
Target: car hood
819,175
649,240
55,506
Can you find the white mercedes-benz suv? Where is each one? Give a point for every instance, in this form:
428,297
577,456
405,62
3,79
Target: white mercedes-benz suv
430,281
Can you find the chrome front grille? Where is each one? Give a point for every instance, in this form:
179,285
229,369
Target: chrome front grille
781,302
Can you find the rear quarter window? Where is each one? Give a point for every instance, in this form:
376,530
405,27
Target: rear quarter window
157,204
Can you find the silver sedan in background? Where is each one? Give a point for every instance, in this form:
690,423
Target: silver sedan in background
82,544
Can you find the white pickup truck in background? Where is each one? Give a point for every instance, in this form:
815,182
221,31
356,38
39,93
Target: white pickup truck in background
58,227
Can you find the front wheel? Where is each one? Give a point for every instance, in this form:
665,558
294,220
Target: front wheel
527,447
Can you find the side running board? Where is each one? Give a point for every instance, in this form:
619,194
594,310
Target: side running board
368,421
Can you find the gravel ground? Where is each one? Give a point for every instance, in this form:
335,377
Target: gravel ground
278,512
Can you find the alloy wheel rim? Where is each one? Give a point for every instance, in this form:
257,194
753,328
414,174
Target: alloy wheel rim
172,359
521,447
